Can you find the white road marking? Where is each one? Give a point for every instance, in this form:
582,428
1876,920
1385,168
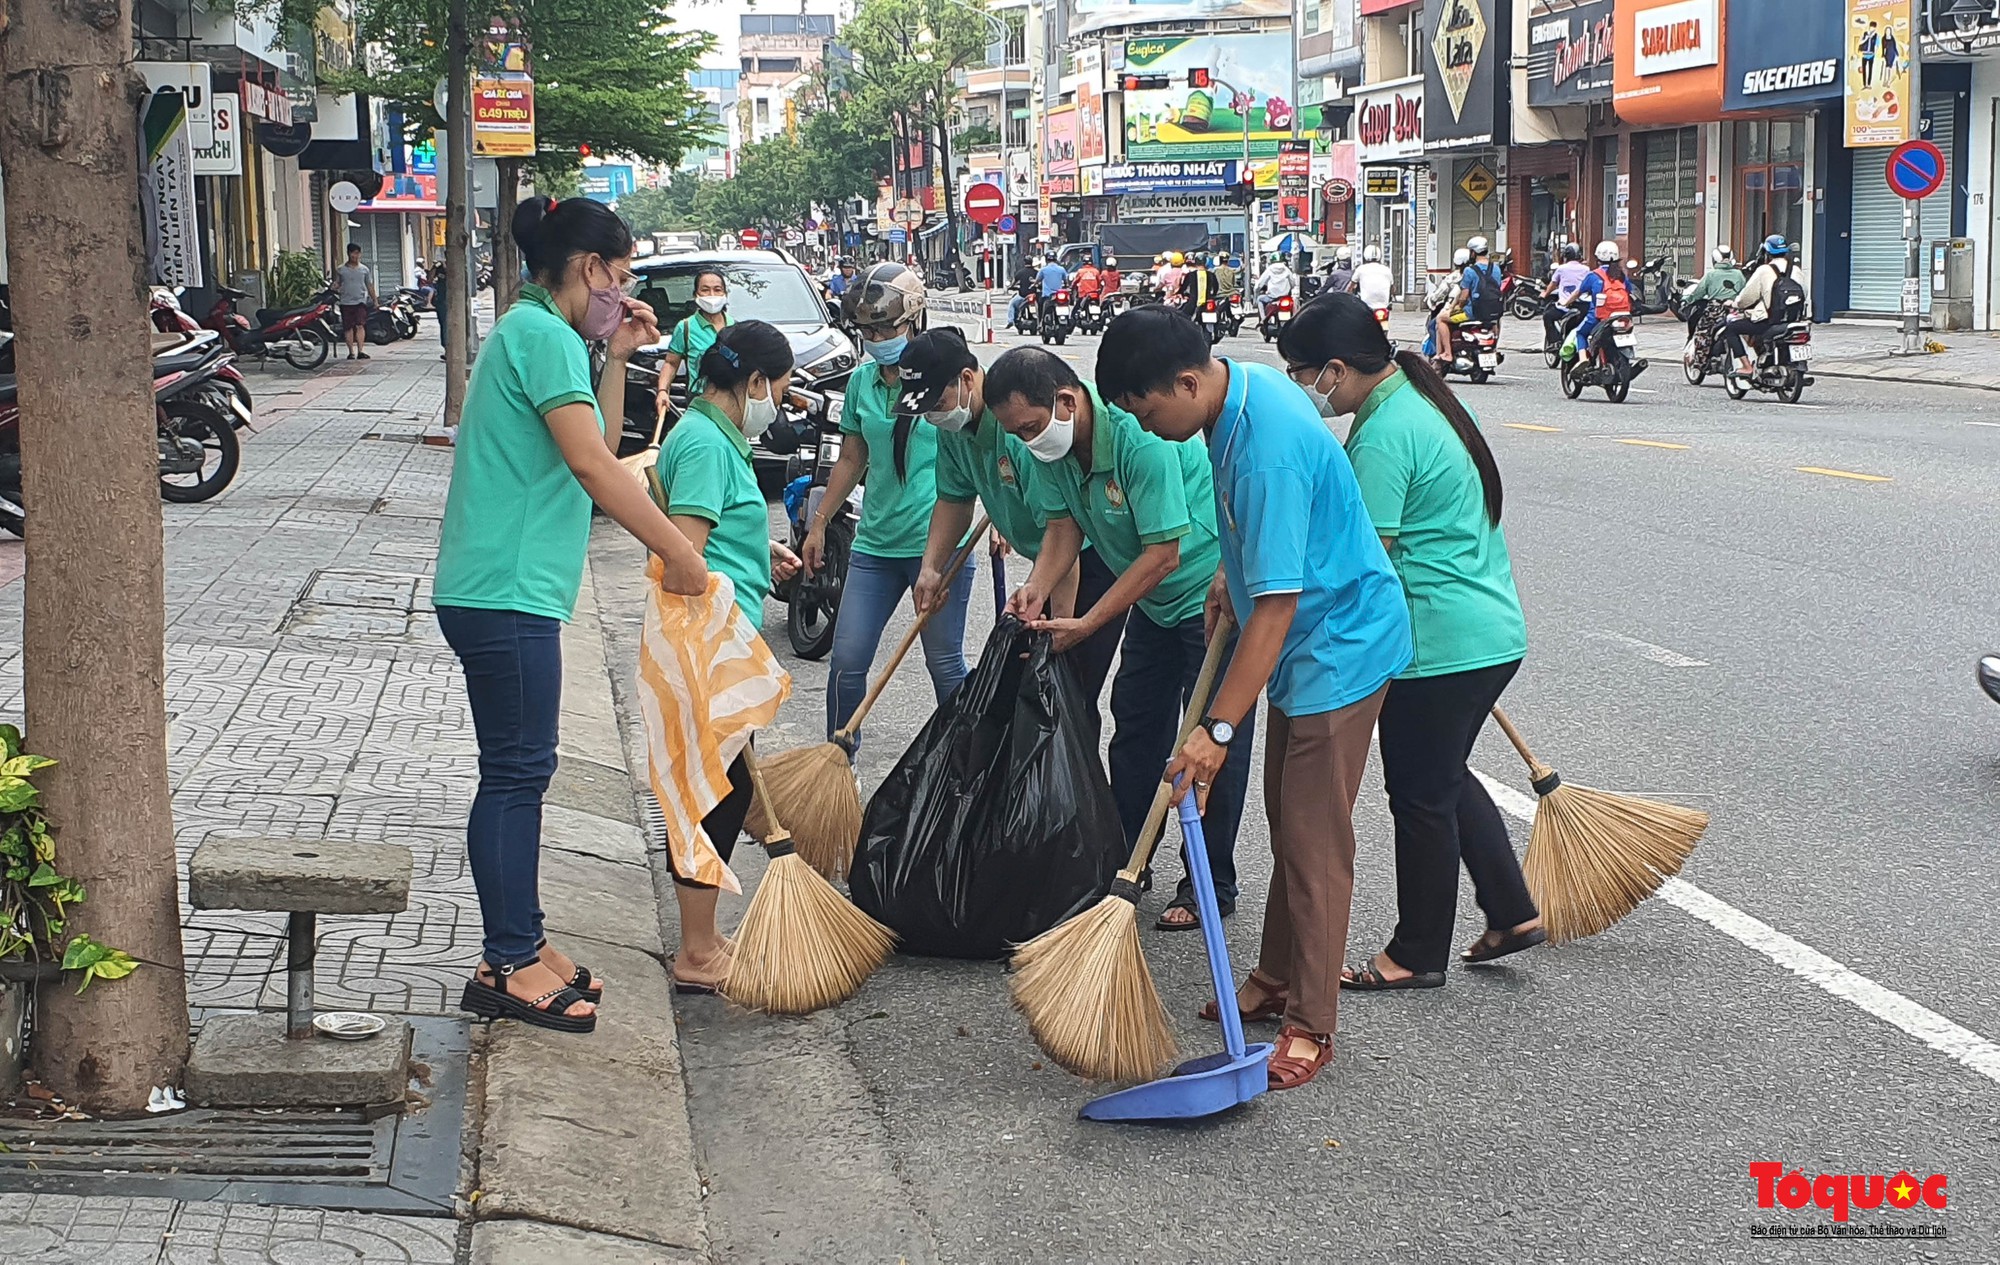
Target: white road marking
1647,650
1983,423
1958,1043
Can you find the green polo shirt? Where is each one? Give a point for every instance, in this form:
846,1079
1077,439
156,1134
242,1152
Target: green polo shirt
705,467
1140,490
516,521
985,462
1421,488
896,511
692,338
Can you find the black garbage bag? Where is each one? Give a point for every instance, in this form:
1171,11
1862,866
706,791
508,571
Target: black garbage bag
998,822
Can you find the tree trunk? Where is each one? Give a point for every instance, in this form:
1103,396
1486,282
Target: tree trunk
95,619
950,204
462,272
506,251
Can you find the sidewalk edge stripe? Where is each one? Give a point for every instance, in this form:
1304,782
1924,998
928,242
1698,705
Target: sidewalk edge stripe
1939,1033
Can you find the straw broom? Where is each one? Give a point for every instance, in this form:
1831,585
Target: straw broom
802,945
813,787
1593,856
1083,984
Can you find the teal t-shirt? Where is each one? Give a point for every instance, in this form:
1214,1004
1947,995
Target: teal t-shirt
1293,521
985,462
1422,489
1140,490
691,339
895,511
705,467
516,521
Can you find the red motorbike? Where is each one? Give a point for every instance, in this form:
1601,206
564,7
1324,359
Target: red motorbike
299,335
229,388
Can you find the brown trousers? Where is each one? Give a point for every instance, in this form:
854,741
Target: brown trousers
1312,774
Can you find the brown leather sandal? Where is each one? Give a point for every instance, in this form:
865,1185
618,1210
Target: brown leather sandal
1272,1007
1287,1072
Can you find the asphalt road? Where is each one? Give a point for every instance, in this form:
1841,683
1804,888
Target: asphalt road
1721,613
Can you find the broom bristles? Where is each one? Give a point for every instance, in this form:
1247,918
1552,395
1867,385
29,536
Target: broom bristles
1594,857
1089,998
812,791
802,945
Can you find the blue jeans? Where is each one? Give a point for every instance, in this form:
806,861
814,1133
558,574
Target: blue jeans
874,587
513,676
1157,668
1014,308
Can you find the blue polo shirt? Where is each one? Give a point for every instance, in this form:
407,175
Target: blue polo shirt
1292,521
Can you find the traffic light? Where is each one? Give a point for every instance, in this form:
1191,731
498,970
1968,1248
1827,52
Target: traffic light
1244,191
1136,83
1200,78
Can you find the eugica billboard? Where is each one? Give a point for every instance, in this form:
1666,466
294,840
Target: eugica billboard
1782,53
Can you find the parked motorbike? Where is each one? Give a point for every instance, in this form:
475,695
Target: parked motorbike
1274,318
1656,288
1525,297
229,388
1057,317
299,335
1609,359
1780,368
812,602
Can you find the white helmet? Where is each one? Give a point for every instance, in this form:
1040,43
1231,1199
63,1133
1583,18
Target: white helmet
1371,254
1344,255
1477,245
1461,257
1110,261
1722,255
1607,252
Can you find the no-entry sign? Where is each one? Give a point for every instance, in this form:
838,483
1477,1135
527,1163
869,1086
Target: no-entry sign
985,204
1916,169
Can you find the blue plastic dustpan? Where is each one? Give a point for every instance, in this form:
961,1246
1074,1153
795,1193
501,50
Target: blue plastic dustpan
1215,1082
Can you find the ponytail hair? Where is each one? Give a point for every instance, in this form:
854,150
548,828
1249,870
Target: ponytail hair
550,232
1338,325
745,348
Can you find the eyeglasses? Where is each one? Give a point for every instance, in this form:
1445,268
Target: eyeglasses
1304,375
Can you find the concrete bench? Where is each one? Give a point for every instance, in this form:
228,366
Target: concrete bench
240,1060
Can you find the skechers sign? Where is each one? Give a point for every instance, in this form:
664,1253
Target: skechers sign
1678,37
1783,54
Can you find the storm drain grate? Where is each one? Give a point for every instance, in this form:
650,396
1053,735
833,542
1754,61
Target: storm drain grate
346,1160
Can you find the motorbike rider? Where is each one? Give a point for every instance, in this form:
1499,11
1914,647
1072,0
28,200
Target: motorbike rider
837,284
1477,296
1050,278
1605,292
1773,295
1442,299
1088,281
1564,279
1109,280
1026,280
1198,286
1172,275
1340,273
1277,282
1228,281
1373,279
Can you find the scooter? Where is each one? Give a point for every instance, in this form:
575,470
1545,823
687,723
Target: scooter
1657,290
1474,352
1781,365
298,335
1609,360
1028,321
229,388
1057,317
1707,352
1525,296
1274,318
812,602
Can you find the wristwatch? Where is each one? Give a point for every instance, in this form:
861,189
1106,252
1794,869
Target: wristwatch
1220,730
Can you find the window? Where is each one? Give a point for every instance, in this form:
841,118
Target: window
778,65
1770,182
771,292
1672,178
1607,168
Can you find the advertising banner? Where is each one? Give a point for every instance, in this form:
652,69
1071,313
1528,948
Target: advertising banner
191,80
1667,61
1462,39
1101,15
503,118
1059,150
1250,80
1090,137
225,156
1168,177
1569,55
1782,55
172,241
1294,183
1389,121
607,182
1876,48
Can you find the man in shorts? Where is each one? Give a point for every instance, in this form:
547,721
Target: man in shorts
354,283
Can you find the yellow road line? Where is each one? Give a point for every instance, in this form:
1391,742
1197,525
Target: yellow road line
1844,474
1525,426
1653,443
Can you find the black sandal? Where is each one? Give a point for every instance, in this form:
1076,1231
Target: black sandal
1223,907
581,980
547,1011
1366,979
1484,951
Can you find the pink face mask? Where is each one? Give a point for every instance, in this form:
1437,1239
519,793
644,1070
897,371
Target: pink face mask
606,310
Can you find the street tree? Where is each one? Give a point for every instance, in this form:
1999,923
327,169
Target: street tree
95,615
769,190
666,208
911,56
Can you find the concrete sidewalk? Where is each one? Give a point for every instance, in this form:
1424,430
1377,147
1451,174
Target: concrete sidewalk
310,695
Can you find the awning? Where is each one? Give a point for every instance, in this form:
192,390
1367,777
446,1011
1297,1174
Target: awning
1292,243
937,224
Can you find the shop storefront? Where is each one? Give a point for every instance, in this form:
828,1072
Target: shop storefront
1658,182
1566,83
1782,90
1394,181
1466,130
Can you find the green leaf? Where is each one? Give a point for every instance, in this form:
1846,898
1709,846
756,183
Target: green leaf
17,794
23,765
116,964
17,873
14,842
84,953
44,876
45,845
10,742
69,892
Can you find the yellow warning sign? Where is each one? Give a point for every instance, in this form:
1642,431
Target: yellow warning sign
1478,183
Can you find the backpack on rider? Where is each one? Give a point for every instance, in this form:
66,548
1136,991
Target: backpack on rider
1486,303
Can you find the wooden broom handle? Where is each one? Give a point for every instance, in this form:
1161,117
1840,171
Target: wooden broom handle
774,833
910,637
1156,816
1536,769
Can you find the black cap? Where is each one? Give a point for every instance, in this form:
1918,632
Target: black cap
931,362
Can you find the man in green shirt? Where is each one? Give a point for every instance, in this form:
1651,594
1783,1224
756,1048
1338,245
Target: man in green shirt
1147,506
942,383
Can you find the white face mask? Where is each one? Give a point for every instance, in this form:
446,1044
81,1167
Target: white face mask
952,418
711,303
1054,442
1322,400
759,414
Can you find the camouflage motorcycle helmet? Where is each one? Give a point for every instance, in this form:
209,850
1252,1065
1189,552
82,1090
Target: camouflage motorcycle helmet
885,294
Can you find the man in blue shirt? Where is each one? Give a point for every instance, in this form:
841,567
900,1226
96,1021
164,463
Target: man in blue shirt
837,284
1052,277
1324,629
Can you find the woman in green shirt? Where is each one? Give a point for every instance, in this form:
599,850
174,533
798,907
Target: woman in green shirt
695,333
712,497
530,459
899,459
1433,491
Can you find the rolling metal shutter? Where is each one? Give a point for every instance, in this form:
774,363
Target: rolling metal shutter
1876,261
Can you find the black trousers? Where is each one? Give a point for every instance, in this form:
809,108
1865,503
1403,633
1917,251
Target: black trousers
1091,659
1558,321
1443,815
725,821
1736,329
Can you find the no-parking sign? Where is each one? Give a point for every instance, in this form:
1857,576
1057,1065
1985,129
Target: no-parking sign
1915,169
